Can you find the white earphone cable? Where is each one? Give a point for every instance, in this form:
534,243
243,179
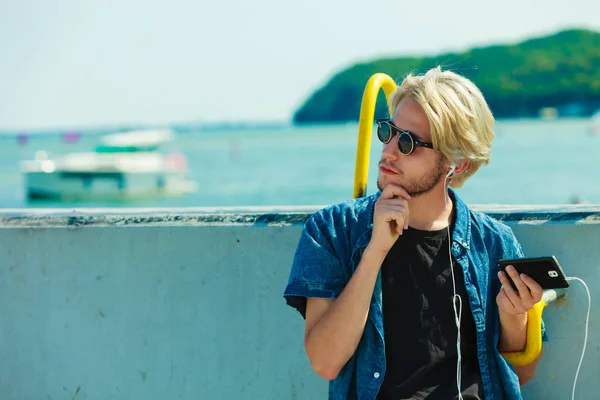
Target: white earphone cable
587,323
456,297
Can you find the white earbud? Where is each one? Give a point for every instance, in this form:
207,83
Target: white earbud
452,168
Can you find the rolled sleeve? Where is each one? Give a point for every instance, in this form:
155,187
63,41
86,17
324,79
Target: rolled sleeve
317,270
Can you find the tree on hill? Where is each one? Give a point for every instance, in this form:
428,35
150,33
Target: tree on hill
560,70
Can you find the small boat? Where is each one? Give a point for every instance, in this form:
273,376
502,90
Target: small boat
122,166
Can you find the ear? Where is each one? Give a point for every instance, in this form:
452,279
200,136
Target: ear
461,167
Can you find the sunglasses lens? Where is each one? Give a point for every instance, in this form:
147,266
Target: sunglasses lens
384,132
405,143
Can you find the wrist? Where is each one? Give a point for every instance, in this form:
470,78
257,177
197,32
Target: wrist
374,254
512,320
513,332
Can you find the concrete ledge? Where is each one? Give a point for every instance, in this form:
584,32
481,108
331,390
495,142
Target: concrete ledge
262,216
155,304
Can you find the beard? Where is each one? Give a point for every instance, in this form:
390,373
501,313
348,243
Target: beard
423,184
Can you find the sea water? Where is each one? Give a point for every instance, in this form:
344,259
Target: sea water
533,162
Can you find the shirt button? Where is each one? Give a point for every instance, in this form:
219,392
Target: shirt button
376,375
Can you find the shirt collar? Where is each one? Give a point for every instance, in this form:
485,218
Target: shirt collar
462,221
461,233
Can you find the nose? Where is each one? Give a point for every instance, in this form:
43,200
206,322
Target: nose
390,149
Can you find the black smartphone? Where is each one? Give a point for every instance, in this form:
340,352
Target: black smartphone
544,270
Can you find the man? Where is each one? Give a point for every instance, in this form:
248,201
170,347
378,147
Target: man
393,284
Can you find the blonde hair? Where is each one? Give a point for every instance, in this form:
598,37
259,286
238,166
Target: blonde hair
460,120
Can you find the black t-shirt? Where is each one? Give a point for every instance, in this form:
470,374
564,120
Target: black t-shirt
419,324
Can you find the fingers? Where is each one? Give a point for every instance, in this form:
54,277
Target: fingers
514,275
396,220
389,210
527,293
504,302
393,209
391,191
534,288
394,201
511,293
396,195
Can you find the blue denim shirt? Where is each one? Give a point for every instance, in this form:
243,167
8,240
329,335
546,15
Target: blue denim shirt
329,250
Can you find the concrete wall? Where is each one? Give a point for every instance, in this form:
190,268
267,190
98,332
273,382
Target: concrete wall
173,304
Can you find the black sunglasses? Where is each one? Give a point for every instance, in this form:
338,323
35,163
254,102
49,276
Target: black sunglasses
407,142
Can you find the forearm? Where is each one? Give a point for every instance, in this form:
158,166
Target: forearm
514,299
335,337
513,332
513,337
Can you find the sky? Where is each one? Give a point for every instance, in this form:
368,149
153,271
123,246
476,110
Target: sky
87,63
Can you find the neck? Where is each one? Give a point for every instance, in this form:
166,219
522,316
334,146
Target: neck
431,211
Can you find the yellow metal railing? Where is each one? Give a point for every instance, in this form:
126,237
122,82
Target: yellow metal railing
365,129
361,174
533,348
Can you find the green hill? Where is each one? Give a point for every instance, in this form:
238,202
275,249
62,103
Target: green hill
560,70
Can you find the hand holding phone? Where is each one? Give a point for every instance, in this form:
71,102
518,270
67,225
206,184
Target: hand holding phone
546,271
518,294
524,280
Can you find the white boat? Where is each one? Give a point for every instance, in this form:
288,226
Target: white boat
123,165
